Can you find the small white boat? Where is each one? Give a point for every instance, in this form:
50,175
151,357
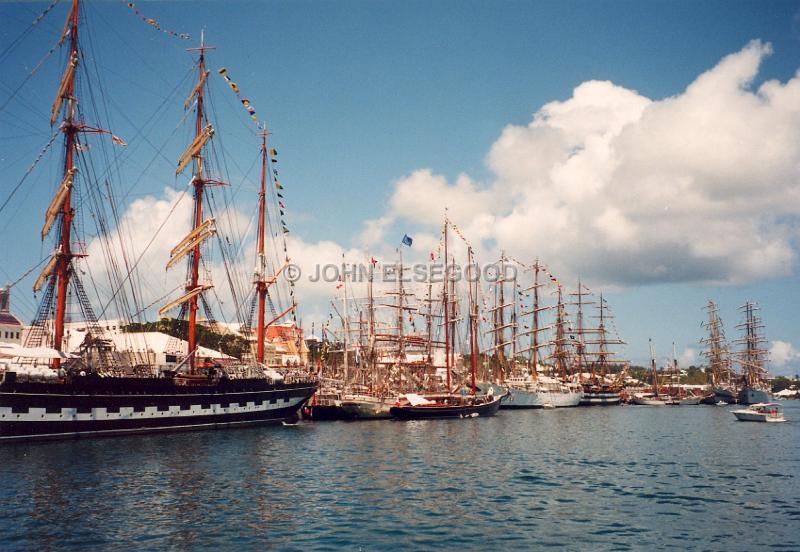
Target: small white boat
762,412
649,400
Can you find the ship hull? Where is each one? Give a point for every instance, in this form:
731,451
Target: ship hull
446,411
752,395
723,394
522,398
644,401
107,406
600,399
375,409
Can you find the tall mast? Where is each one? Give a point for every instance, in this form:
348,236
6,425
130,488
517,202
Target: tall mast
446,307
64,252
473,320
400,318
345,323
560,354
261,284
199,186
514,326
371,325
653,368
535,328
501,333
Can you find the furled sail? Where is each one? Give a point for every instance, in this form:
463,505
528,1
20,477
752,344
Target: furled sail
62,89
181,300
194,148
46,273
58,201
196,236
195,91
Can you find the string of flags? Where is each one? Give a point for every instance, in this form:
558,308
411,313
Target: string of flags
244,101
153,23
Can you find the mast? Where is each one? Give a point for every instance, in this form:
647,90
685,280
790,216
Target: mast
70,129
535,328
261,284
716,348
653,368
501,317
753,356
560,354
514,326
400,318
473,320
345,324
198,182
446,308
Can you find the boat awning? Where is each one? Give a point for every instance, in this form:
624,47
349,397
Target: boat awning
12,350
417,400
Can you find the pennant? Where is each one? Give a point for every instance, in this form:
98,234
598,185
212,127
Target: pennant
153,23
245,102
280,195
273,152
373,260
282,205
117,140
433,257
278,185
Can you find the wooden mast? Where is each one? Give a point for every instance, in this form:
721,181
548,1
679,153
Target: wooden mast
64,252
261,284
446,307
653,367
473,320
199,186
535,325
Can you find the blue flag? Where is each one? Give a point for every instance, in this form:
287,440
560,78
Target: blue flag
407,240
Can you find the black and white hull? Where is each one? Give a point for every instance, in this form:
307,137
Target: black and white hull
93,406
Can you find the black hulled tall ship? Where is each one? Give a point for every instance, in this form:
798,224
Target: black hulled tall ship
96,392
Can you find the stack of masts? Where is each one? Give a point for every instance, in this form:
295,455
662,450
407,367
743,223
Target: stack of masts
716,350
536,328
500,329
560,355
753,355
603,358
579,335
59,274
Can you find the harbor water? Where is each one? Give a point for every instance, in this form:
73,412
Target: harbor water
601,478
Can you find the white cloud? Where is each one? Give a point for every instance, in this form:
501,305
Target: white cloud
688,357
702,186
782,353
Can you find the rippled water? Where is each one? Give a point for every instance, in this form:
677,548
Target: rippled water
600,478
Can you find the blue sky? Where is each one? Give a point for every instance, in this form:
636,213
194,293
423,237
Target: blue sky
362,94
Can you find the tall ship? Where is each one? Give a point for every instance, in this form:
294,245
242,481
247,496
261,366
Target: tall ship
598,371
460,399
94,391
535,384
724,386
754,386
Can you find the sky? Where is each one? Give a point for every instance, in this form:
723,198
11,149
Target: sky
649,148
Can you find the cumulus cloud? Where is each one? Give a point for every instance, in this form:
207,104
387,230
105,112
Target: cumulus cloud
688,357
622,189
784,357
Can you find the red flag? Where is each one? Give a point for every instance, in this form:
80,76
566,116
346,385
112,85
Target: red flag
373,260
432,256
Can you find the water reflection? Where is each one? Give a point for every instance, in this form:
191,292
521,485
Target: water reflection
611,478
